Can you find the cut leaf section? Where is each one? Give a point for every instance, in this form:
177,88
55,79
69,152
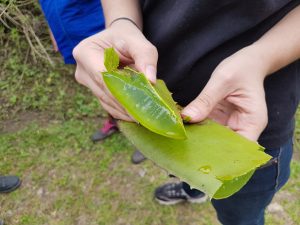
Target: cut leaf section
213,158
111,59
152,107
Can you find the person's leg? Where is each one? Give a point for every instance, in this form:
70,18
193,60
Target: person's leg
9,183
248,205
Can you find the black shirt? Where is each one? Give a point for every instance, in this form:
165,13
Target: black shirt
193,37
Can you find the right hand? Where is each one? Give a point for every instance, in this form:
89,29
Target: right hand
134,50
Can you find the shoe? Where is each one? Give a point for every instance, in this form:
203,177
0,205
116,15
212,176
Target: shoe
109,127
137,157
173,193
9,183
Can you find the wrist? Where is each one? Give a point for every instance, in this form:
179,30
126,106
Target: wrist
264,60
122,8
123,27
125,19
267,57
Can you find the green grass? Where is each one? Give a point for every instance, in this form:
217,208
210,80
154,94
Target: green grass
67,179
43,88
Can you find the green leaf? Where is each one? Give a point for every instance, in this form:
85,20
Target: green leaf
111,59
164,93
156,111
213,158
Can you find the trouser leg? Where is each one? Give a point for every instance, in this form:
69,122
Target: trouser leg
248,205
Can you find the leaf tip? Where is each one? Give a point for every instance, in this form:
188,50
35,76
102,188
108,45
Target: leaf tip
111,59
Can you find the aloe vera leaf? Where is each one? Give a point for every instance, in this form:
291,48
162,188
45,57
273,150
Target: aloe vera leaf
213,158
136,94
164,93
111,59
231,186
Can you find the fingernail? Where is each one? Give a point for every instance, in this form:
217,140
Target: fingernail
185,118
190,112
151,73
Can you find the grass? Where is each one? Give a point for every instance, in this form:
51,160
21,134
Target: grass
43,88
46,119
31,83
69,180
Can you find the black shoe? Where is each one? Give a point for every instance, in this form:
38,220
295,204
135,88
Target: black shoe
9,183
173,193
137,157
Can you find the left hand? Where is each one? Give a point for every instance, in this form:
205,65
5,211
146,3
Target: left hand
234,96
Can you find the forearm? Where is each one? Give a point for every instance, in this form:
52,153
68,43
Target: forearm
114,9
280,46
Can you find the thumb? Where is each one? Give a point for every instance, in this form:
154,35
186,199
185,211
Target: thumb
201,106
145,57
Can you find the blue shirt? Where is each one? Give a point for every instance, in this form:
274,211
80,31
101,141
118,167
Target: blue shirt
71,21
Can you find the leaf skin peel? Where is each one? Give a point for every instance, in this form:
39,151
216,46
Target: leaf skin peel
141,99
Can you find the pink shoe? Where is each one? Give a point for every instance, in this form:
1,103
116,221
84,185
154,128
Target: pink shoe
109,127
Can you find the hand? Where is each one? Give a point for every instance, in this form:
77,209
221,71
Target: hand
53,41
134,50
234,96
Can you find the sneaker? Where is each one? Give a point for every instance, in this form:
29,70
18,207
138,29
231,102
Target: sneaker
109,127
173,193
137,157
9,183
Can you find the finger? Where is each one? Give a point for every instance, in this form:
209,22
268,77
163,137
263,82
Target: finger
104,97
251,135
112,99
201,106
83,78
117,111
114,113
246,128
249,123
90,56
79,74
221,112
219,116
143,53
99,83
